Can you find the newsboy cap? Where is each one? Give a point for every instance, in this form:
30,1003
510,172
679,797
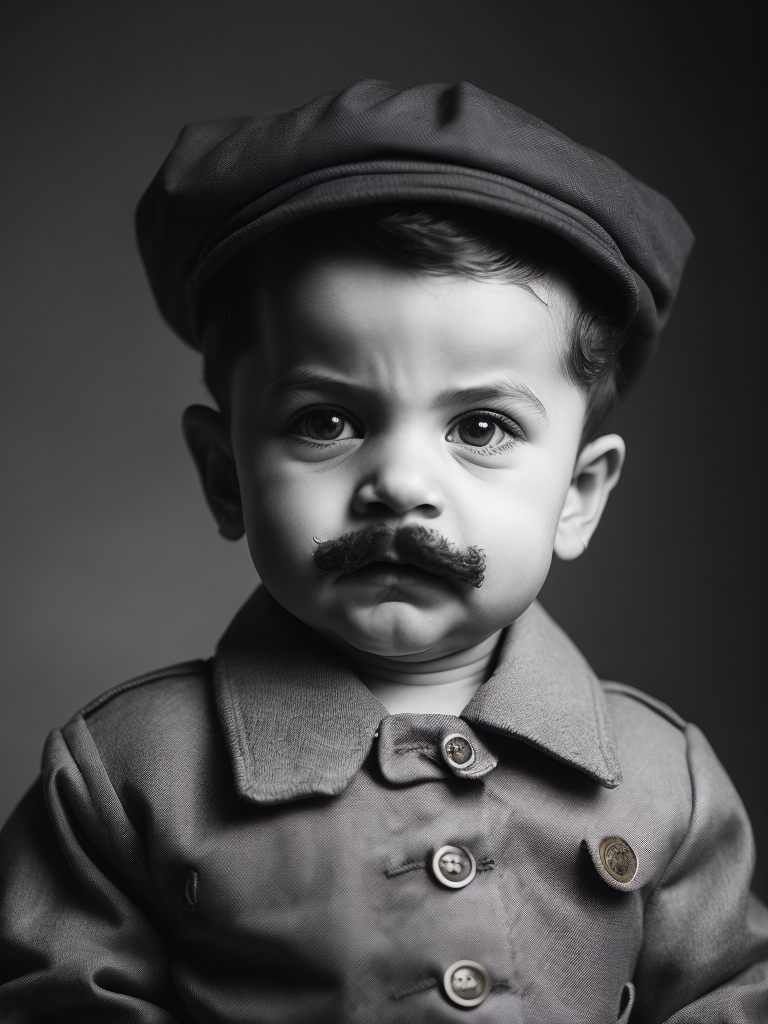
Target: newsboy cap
227,183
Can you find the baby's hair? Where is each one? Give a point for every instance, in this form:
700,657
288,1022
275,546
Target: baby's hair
433,239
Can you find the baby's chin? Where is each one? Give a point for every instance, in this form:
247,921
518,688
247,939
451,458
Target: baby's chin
395,629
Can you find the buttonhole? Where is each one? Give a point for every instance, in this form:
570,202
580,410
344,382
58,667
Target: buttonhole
486,865
190,889
413,990
413,748
403,869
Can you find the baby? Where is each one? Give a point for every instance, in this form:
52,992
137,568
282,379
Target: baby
397,792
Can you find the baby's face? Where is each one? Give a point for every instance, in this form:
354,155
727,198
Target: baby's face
377,394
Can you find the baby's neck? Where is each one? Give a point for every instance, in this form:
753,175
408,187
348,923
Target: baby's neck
442,686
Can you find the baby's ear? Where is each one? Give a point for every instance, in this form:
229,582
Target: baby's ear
207,435
595,474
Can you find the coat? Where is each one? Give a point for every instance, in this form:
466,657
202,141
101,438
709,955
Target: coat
254,839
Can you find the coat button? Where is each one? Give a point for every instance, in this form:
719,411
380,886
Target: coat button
467,983
457,751
618,859
453,866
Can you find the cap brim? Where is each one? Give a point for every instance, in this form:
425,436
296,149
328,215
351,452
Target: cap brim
387,181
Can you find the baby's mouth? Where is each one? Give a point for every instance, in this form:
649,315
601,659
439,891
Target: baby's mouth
393,572
393,557
398,565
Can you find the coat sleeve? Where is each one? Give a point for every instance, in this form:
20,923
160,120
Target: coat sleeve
705,945
83,933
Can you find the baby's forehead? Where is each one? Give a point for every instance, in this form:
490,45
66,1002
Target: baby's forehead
311,275
359,316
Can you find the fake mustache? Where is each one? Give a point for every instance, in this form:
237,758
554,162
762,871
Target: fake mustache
416,544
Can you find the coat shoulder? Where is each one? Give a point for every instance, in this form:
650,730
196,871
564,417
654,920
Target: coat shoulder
153,735
652,740
183,671
152,718
626,700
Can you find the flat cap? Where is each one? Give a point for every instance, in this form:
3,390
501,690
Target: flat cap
227,183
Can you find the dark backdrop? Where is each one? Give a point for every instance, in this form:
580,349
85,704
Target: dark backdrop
110,563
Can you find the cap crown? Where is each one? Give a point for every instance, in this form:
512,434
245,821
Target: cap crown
228,182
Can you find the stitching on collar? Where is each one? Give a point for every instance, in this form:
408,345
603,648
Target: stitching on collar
280,755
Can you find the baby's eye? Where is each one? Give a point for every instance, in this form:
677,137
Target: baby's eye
324,424
484,430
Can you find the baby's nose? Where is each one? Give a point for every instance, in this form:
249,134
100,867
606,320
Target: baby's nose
401,478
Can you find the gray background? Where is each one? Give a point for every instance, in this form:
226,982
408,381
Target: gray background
110,563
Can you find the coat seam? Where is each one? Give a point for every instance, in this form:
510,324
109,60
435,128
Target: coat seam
597,705
231,718
172,672
137,834
652,703
662,878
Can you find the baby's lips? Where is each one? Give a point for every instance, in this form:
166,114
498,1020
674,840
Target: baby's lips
393,555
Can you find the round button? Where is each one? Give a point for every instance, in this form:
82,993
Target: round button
453,866
467,983
618,859
457,751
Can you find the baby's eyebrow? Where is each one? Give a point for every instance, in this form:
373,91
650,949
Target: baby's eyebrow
308,380
493,391
303,379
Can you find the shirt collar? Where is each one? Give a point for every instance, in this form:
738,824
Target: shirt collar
298,722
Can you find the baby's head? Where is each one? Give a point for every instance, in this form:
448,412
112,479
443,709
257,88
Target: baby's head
408,367
411,391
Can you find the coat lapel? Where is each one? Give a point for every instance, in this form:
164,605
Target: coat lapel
545,693
298,722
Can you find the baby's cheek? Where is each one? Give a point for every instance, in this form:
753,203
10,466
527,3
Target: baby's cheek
283,516
518,556
269,520
275,534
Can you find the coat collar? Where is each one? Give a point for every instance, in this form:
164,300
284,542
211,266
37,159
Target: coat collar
298,722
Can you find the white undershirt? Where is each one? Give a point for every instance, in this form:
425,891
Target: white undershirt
443,686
